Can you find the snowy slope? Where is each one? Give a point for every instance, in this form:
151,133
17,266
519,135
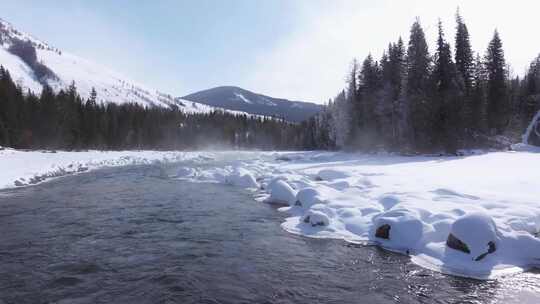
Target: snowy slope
110,86
19,70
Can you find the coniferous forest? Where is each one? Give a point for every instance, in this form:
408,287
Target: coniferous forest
65,121
413,101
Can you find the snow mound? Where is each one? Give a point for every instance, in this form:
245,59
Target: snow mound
308,197
281,193
398,229
242,178
316,218
274,180
475,234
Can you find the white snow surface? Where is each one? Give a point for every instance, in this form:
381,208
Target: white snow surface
490,199
21,168
481,198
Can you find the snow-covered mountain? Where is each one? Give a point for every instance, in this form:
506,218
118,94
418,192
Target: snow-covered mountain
235,98
33,63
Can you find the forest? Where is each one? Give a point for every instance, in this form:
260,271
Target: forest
411,101
65,121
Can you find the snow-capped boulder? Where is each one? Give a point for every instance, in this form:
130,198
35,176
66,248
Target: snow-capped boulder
274,180
474,234
242,178
308,197
399,229
281,193
316,218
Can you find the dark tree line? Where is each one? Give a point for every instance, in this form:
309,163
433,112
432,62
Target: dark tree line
414,101
64,120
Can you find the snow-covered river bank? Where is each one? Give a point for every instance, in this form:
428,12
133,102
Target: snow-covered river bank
137,234
474,216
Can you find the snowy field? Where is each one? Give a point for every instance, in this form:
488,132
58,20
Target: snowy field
475,216
20,168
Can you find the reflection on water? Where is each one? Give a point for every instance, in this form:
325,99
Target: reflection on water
129,236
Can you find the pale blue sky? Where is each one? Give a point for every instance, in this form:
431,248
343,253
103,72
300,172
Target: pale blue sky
297,49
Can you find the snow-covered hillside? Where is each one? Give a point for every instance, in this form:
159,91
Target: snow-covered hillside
110,86
235,98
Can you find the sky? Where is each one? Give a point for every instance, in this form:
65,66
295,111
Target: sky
295,49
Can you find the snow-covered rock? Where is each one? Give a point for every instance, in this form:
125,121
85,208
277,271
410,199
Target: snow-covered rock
308,197
274,180
398,229
475,234
316,218
242,178
281,193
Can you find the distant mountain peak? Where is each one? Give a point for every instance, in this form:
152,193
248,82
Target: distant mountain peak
239,99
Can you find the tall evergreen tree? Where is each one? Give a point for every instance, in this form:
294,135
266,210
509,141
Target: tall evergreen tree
368,87
497,94
478,123
464,54
417,86
465,66
447,97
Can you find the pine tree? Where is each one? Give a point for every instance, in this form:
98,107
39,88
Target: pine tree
352,109
447,97
369,90
341,120
417,87
496,86
465,65
464,54
478,122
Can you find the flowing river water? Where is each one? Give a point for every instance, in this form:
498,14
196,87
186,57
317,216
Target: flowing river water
130,235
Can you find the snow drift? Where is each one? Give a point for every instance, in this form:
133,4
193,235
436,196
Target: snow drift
475,216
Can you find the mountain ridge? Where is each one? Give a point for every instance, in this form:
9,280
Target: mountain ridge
239,99
33,63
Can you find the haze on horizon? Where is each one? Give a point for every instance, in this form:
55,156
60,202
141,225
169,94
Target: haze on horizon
298,49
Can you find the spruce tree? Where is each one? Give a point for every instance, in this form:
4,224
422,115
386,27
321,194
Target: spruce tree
496,86
465,66
464,54
446,100
417,86
478,122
